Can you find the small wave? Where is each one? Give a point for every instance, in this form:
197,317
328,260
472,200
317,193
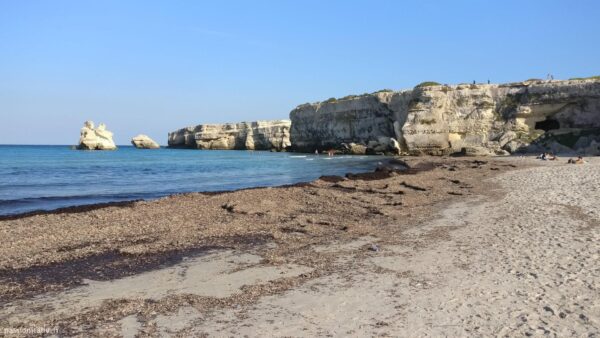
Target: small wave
298,156
36,185
99,197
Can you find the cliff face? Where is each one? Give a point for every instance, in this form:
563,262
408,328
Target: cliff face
331,123
259,135
481,119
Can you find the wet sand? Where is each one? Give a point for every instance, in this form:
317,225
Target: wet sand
503,246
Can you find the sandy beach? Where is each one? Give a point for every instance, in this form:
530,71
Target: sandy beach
458,247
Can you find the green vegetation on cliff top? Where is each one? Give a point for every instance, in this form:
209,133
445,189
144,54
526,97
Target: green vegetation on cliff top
427,84
597,77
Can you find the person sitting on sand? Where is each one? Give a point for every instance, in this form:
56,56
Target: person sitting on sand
552,157
579,160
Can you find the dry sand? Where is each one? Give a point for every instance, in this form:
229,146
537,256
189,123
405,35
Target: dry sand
467,249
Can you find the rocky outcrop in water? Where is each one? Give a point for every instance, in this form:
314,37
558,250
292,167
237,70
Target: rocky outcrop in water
259,135
98,138
144,142
478,119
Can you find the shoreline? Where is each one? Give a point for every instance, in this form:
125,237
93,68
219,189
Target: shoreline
51,221
74,209
79,208
128,203
71,187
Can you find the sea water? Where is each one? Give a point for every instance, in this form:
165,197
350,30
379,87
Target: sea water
50,177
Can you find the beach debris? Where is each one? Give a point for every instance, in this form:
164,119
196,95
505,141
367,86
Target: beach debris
373,247
377,175
288,229
413,187
337,185
332,178
548,309
228,207
455,193
449,167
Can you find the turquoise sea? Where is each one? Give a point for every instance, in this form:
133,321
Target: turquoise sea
50,177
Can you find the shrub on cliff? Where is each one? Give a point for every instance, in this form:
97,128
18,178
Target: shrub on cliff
384,91
428,121
428,84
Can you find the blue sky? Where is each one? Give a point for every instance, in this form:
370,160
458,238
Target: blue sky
155,66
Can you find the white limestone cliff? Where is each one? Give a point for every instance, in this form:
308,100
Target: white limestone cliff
259,135
442,119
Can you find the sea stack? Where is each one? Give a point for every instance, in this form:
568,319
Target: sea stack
95,138
144,142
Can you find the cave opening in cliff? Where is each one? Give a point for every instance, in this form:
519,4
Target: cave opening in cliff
547,124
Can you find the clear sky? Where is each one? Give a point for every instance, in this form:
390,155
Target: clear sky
155,66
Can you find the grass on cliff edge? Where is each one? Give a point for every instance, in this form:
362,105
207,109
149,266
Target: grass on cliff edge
597,77
427,84
350,97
